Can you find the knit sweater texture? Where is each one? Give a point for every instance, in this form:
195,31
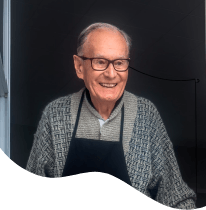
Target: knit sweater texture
149,155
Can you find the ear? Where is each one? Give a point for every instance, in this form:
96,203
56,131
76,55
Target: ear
78,65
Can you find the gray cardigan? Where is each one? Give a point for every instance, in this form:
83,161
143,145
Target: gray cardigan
149,154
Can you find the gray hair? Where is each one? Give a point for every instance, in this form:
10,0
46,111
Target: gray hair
84,34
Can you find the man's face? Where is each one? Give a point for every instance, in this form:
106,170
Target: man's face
103,43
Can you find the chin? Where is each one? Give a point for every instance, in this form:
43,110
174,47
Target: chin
109,98
106,94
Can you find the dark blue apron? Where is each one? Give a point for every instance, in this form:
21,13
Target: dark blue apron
88,155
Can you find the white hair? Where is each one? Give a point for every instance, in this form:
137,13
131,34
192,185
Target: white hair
84,34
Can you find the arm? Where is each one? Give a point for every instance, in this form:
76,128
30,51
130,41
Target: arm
41,159
167,185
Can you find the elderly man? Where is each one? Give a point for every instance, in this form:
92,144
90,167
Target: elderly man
107,129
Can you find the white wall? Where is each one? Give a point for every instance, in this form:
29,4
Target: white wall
5,82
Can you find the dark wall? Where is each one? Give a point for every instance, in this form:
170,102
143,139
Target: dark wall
168,41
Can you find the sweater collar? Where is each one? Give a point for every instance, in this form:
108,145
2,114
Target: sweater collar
115,110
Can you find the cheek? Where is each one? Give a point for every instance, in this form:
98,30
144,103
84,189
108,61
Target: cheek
124,78
96,77
92,78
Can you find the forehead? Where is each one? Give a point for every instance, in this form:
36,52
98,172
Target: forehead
106,43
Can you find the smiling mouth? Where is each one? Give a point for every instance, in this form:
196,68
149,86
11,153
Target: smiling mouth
108,85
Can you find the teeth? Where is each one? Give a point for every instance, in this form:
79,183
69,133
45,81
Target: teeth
108,85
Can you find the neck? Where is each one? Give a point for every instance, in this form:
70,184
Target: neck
104,108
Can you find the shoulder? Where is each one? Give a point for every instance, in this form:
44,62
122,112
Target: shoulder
61,103
142,103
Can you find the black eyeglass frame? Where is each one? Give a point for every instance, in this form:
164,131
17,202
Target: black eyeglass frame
109,61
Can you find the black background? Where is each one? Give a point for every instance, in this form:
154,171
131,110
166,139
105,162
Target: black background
168,41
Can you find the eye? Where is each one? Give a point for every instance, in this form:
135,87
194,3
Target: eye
101,61
119,62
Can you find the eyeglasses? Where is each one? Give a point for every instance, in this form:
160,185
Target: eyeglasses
100,64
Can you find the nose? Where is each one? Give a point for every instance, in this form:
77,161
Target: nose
110,71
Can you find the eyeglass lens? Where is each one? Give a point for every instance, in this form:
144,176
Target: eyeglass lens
101,64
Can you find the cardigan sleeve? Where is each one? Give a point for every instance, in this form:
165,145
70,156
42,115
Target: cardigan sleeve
167,185
41,159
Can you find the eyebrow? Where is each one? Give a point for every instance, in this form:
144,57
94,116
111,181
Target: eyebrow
101,56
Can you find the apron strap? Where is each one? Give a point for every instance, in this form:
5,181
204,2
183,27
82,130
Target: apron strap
122,124
78,114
